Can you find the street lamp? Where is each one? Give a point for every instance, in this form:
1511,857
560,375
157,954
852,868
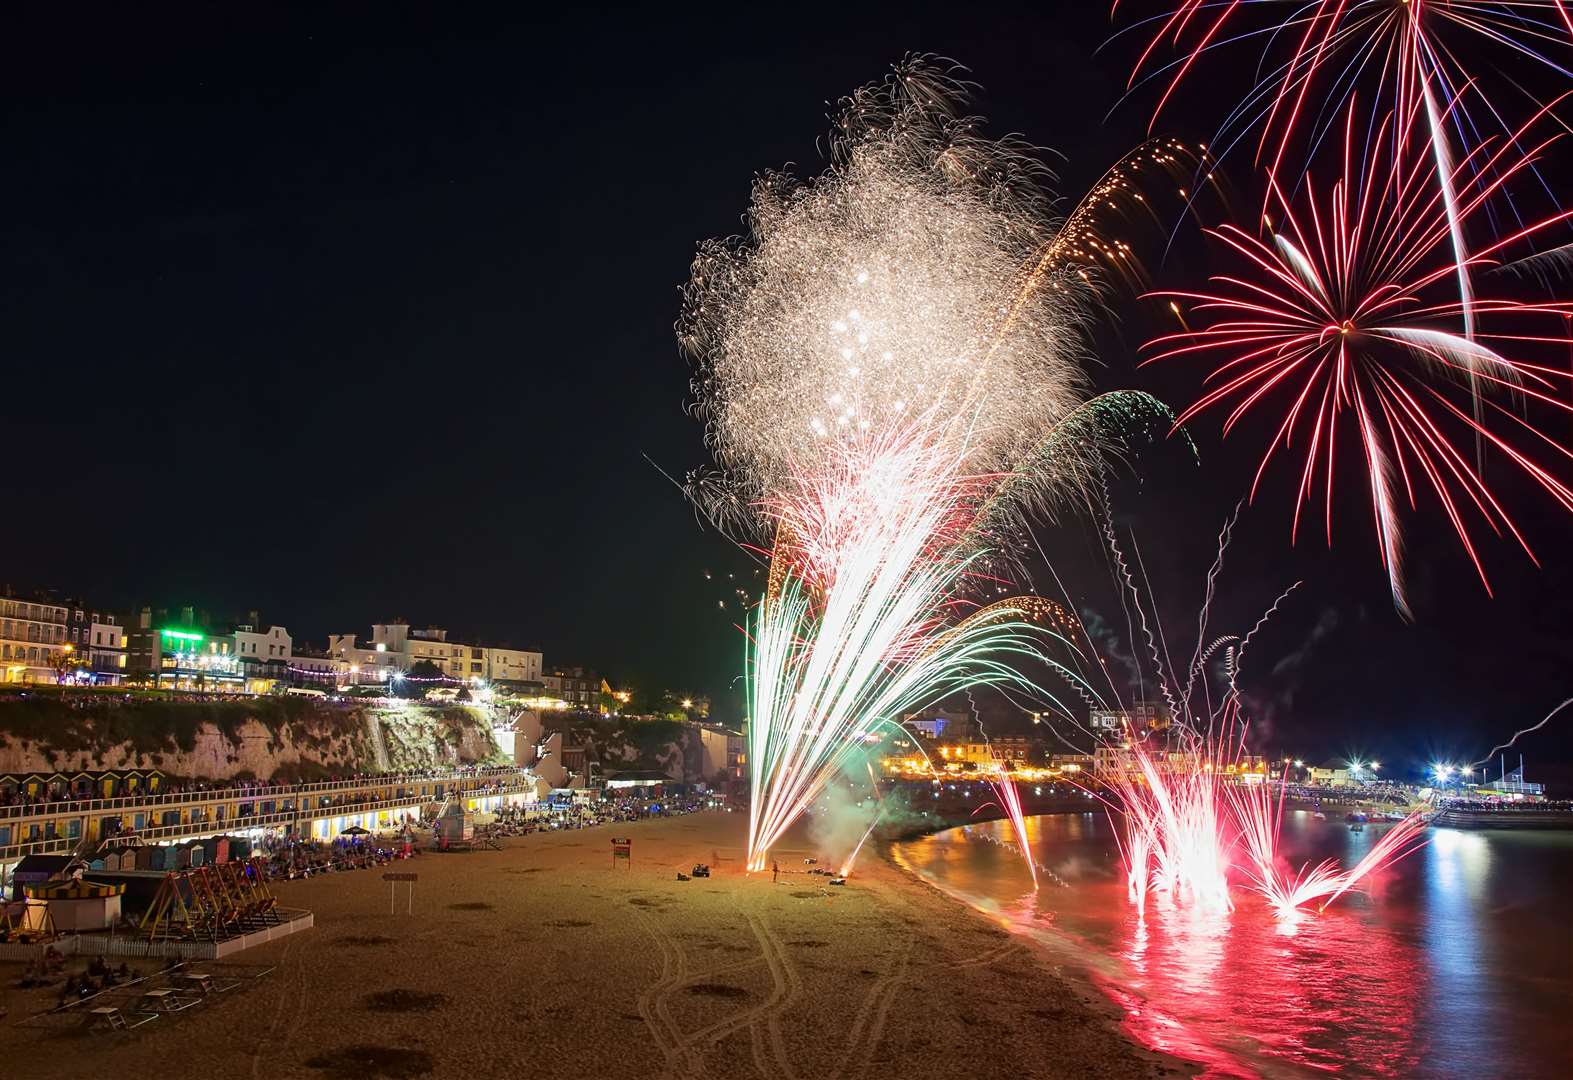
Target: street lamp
63,662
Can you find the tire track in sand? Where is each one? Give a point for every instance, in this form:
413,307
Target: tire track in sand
684,1052
293,992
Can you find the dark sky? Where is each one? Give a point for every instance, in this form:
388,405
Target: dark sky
347,312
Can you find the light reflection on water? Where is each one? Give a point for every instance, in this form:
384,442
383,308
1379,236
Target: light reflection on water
1456,962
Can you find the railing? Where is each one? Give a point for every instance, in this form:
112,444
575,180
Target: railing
67,807
210,823
59,845
322,813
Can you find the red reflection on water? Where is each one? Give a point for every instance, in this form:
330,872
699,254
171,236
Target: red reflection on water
1241,992
1323,993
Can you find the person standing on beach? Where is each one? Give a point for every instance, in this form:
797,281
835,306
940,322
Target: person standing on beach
775,871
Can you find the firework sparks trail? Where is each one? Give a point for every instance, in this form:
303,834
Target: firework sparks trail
1338,319
1260,819
1177,838
879,812
1010,801
831,663
846,866
1196,814
1525,731
1408,46
1006,795
888,365
1187,815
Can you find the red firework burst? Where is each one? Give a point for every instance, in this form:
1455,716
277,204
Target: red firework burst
1350,317
1314,54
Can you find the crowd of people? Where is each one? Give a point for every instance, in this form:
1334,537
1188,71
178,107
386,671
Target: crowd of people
1550,805
264,788
290,857
1397,794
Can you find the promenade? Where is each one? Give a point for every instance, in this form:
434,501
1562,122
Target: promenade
318,810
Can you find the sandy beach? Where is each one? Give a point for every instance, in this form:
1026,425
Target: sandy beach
544,960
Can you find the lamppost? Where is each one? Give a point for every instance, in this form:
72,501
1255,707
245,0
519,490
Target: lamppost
63,662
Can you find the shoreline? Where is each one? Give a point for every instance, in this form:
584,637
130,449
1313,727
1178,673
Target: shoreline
1094,973
543,959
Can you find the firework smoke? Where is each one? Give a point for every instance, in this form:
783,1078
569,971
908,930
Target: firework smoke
888,370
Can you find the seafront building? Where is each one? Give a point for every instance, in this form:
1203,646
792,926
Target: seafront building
58,814
48,640
32,638
171,655
395,648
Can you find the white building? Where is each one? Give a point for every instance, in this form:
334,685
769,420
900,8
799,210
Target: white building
398,647
274,643
938,724
106,651
32,639
512,665
456,659
1141,716
363,664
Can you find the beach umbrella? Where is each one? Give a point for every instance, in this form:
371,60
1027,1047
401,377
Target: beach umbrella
356,830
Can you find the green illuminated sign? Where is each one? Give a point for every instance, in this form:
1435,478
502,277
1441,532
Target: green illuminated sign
183,635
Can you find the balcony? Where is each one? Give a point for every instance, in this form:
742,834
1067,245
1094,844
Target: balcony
479,785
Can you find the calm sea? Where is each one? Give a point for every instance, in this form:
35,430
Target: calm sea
1457,962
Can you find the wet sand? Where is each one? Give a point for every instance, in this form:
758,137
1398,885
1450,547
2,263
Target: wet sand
542,960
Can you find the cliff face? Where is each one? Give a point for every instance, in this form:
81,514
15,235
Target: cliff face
266,738
635,745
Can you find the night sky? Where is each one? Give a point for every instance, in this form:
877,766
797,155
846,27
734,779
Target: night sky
359,313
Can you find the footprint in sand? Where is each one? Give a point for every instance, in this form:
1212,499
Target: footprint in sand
403,1001
368,1062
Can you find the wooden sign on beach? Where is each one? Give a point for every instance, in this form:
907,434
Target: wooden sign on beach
393,880
623,848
